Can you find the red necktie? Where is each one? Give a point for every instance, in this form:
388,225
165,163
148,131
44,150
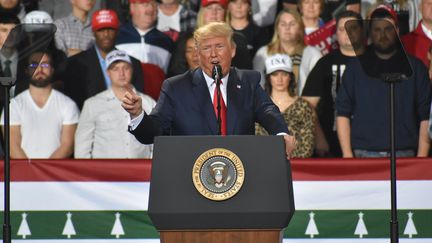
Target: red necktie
222,111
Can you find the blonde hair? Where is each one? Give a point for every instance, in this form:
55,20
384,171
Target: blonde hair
211,30
275,44
228,13
200,17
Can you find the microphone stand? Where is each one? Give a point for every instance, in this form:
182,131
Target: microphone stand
391,79
7,83
394,231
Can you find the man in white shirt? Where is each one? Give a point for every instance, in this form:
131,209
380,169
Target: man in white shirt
43,120
102,128
174,18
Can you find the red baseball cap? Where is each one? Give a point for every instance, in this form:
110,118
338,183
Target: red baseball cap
105,18
248,1
223,3
383,7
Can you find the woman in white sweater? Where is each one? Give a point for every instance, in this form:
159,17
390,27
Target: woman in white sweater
288,38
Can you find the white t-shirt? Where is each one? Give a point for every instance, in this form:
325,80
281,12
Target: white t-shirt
167,22
41,127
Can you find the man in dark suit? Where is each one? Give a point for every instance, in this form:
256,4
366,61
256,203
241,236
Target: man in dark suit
8,57
10,63
84,74
185,104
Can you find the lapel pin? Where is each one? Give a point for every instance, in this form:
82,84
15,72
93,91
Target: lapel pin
238,86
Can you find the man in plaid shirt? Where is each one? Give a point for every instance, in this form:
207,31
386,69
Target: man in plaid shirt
74,33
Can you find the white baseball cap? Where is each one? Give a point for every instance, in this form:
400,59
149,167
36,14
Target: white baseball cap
278,62
38,17
117,55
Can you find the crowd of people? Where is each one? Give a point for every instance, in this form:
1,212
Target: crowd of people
311,57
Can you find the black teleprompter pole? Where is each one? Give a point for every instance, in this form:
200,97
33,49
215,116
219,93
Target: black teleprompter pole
394,224
6,214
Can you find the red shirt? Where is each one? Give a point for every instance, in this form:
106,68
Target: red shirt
417,44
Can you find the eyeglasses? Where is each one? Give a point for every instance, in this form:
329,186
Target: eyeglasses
43,65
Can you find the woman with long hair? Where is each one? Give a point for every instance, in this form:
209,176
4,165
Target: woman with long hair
239,17
211,11
288,38
281,86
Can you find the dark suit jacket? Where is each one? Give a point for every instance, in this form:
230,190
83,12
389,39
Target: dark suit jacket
20,78
20,82
185,108
83,76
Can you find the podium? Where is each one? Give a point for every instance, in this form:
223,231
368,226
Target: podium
251,200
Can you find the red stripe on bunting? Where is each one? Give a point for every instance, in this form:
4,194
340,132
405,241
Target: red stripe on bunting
360,169
130,170
80,170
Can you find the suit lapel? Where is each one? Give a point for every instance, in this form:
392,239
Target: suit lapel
234,97
203,99
97,77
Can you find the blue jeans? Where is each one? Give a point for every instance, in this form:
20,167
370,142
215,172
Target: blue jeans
361,153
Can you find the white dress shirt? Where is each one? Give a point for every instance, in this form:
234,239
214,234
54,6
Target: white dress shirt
102,131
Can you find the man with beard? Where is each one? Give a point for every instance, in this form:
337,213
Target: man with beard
85,74
43,120
362,102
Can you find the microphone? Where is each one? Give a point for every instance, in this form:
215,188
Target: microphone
217,72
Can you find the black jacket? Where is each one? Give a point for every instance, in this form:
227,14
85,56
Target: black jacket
83,76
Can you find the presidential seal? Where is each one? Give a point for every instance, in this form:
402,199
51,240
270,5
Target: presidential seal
218,174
